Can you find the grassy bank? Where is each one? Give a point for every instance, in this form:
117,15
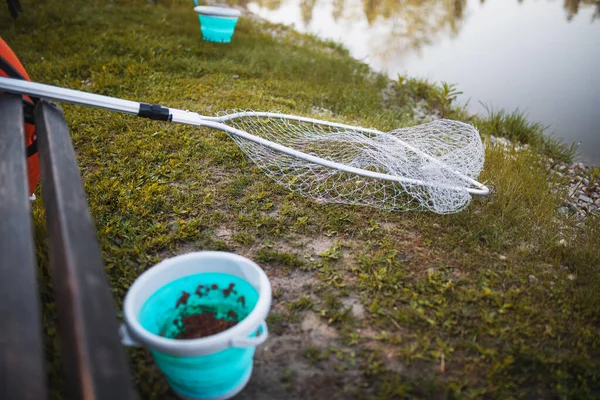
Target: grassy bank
498,301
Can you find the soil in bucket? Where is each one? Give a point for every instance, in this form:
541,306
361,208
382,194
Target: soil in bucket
197,306
195,318
202,325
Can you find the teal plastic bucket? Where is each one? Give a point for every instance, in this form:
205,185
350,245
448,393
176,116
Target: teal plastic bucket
223,284
217,24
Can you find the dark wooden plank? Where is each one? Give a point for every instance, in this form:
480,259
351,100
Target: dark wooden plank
22,373
95,362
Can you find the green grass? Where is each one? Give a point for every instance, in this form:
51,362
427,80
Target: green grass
515,126
456,286
441,99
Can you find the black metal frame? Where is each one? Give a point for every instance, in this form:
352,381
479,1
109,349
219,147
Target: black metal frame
94,360
14,6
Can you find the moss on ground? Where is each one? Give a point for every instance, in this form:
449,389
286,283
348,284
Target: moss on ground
485,303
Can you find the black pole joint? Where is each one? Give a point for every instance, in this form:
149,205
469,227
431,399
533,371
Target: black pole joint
154,111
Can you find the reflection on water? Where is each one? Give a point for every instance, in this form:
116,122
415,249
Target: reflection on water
572,7
541,56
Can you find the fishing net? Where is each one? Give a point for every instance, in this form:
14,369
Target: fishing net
432,166
433,162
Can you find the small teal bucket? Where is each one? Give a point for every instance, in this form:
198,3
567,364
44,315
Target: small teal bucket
227,286
217,24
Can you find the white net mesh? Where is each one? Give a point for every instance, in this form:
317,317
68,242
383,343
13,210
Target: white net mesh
457,145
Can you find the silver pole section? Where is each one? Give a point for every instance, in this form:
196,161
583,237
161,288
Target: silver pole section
68,95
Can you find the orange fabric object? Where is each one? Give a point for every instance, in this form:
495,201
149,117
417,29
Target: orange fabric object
33,164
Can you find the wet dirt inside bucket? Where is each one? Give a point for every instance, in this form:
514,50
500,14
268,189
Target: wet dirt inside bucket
203,325
201,320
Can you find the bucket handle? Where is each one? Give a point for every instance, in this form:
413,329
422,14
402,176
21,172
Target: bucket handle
242,342
126,338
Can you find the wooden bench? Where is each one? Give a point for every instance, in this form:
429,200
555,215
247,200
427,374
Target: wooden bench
95,363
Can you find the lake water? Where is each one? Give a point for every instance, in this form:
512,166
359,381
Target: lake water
540,56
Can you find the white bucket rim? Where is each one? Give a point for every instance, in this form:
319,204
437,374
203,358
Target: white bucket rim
202,346
225,12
